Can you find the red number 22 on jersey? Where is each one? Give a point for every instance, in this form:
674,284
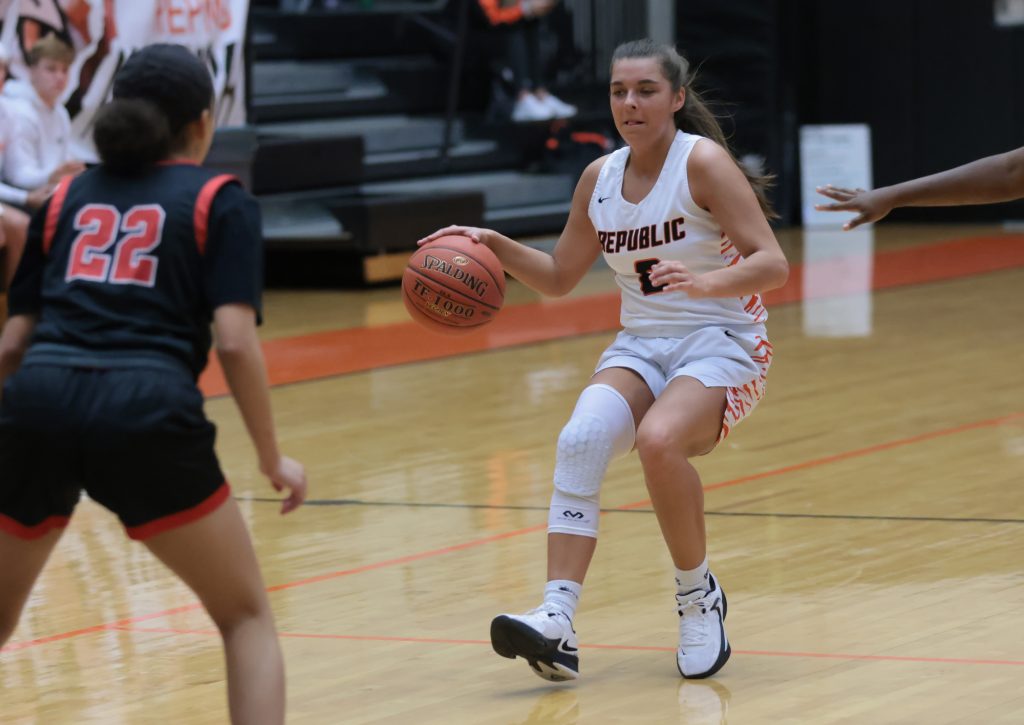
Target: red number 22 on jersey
98,225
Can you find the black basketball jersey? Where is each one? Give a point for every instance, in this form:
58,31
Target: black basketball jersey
137,264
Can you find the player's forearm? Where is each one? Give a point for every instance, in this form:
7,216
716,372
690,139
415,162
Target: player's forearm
533,267
760,272
246,376
985,181
13,343
10,359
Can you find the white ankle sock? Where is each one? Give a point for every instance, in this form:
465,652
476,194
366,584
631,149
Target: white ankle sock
564,594
687,580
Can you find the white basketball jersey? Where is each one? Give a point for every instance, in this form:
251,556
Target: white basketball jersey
666,225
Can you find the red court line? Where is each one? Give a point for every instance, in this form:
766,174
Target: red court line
625,647
127,621
518,532
337,352
13,646
846,455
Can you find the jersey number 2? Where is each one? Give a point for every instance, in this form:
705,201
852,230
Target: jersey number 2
98,225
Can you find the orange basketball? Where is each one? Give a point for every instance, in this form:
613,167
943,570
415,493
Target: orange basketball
453,285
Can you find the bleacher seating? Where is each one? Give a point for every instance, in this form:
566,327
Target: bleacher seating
349,149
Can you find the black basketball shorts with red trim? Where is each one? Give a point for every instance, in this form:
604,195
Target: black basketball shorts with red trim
134,438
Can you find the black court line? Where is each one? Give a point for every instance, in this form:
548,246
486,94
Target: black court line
752,514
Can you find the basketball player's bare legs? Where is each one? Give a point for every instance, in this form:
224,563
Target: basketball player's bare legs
685,422
682,424
600,429
22,559
215,558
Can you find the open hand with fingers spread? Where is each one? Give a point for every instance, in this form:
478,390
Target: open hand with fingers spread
870,205
677,278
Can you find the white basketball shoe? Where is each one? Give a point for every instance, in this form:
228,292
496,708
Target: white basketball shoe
530,108
703,646
558,107
544,637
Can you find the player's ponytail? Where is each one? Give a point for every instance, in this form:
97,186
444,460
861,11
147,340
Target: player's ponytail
695,116
131,134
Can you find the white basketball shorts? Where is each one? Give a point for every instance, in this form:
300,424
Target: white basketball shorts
719,357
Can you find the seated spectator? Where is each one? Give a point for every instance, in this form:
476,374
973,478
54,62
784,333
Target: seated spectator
38,151
521,23
13,221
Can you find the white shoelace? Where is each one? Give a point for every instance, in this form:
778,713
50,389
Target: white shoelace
545,608
693,623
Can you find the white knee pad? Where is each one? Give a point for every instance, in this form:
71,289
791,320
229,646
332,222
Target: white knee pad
601,428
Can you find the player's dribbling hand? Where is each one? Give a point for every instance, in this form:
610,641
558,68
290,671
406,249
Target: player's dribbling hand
677,278
291,475
870,205
477,234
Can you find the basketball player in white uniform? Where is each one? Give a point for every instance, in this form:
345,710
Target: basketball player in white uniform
686,233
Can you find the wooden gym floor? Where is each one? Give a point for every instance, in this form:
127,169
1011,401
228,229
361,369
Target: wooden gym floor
867,522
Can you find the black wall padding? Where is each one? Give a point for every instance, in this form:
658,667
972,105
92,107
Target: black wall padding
937,81
740,52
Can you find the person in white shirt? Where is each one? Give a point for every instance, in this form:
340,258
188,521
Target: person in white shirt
38,151
685,230
13,221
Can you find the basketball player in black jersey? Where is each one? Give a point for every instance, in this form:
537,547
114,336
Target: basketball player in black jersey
125,268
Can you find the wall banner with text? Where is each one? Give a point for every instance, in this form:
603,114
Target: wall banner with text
104,33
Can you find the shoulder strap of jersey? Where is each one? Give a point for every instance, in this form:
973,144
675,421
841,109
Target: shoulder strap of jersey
201,219
53,211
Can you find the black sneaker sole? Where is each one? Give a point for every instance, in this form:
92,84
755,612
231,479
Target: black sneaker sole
511,638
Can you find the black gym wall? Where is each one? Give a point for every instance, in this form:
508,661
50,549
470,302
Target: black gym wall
938,82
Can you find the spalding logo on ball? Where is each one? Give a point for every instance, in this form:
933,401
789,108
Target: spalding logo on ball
453,285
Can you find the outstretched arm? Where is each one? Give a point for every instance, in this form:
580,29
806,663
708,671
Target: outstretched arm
554,274
985,181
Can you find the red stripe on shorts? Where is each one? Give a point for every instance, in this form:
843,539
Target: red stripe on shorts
166,523
29,533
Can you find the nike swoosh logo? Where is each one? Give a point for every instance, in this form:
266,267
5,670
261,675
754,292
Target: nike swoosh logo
568,649
602,199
